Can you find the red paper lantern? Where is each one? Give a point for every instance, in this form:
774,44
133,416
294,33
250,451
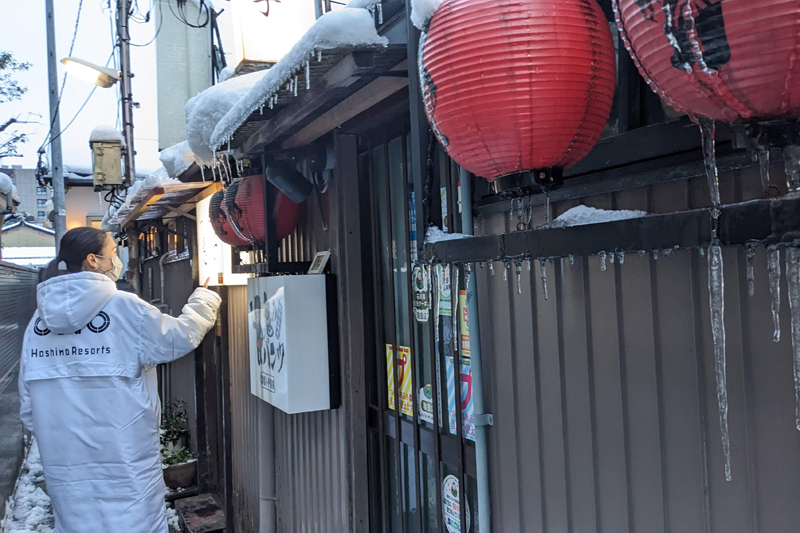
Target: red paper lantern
239,219
728,60
517,86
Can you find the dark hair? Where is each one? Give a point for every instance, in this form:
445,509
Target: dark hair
76,244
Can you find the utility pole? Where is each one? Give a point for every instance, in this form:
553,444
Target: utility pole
125,88
59,201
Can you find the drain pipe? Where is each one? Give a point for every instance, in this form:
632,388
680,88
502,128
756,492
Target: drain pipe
482,420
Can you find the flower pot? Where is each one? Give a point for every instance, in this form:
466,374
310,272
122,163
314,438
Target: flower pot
182,475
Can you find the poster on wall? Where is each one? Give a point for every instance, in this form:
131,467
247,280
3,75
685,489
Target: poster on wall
289,368
422,301
404,377
214,256
467,403
451,508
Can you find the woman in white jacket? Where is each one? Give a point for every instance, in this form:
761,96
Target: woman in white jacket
84,394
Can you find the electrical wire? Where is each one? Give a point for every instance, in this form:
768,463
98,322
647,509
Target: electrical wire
181,14
64,80
158,27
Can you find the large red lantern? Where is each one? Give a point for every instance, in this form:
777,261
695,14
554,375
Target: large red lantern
727,60
512,86
238,214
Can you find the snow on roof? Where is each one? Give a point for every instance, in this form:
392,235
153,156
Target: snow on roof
347,28
582,215
422,11
177,158
107,134
227,73
23,223
205,110
6,185
137,193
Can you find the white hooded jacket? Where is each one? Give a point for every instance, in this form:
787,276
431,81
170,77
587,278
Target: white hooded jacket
85,397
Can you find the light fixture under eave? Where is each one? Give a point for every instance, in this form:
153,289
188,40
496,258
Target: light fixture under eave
101,76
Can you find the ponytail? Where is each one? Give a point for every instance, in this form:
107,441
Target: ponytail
76,244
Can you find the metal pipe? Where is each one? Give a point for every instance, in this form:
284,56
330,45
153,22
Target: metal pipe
125,89
59,196
473,324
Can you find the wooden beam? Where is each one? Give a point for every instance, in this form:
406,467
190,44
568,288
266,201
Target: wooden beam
349,108
213,188
345,73
180,212
152,197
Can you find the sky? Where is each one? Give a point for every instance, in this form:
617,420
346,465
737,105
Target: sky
24,34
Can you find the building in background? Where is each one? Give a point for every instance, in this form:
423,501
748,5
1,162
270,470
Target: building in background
33,197
28,244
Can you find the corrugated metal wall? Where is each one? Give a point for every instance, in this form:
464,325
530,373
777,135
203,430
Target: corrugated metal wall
604,399
310,463
17,305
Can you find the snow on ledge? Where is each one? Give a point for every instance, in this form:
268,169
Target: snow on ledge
336,29
106,134
435,235
205,110
422,12
177,158
582,215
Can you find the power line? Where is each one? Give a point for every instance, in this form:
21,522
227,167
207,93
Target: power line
181,14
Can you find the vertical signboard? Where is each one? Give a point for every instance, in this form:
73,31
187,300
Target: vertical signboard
404,371
265,30
214,255
467,404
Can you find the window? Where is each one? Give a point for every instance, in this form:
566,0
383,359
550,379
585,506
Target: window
41,202
94,221
41,191
42,215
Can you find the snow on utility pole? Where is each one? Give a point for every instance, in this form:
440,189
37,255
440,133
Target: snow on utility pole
59,202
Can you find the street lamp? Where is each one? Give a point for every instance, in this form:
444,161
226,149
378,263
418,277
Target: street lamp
101,76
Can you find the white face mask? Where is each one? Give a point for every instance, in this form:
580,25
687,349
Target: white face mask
116,268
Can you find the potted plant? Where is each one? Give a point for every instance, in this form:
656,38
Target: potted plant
177,462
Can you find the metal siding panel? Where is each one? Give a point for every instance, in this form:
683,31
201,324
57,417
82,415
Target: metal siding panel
657,455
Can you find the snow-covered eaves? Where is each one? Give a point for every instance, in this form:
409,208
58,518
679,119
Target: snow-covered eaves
177,158
335,33
24,224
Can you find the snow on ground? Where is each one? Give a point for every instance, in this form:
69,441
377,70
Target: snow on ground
435,235
335,29
177,158
107,134
29,509
582,215
422,11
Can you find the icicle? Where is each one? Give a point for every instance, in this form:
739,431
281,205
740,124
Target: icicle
319,56
547,205
751,274
708,131
571,259
543,276
774,267
518,264
642,253
295,84
611,257
505,270
602,261
308,75
529,264
791,154
203,173
763,162
621,258
482,264
702,252
667,253
491,267
655,255
270,103
716,288
793,282
380,12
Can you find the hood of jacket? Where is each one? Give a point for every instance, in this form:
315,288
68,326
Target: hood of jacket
68,303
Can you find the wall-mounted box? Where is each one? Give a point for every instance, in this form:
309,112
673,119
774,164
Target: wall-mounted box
294,348
106,164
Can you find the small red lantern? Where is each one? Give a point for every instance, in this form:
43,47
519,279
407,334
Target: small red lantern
240,218
517,86
728,60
